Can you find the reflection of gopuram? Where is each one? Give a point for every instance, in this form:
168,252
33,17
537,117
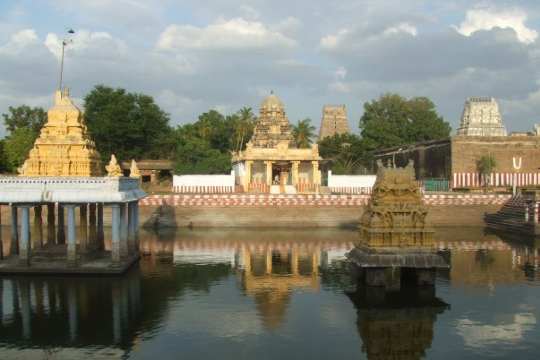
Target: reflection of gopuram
397,325
269,275
393,233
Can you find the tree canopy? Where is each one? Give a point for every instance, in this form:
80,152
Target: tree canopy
346,153
129,125
23,124
303,133
393,120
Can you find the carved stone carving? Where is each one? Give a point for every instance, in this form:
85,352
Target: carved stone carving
113,169
395,215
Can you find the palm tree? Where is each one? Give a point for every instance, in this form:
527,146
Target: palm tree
244,127
303,133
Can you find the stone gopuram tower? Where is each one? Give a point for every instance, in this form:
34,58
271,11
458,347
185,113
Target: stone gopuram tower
481,117
273,126
64,147
334,121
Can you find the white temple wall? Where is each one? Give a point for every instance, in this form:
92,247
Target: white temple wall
351,184
205,183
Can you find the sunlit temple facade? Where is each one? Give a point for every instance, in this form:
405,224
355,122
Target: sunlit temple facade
271,161
64,147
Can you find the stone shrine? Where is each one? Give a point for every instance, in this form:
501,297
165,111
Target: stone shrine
334,121
271,161
393,233
64,147
62,174
481,117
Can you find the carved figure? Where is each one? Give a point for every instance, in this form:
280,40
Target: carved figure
113,169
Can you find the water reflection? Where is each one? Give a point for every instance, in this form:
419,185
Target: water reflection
396,325
52,312
265,293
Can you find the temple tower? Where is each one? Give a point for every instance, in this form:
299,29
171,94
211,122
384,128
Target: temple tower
334,121
272,126
481,117
64,147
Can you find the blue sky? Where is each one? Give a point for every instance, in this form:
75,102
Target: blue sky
192,56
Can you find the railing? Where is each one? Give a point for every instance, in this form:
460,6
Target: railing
259,187
351,190
439,185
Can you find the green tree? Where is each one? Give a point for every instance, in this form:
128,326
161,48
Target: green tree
3,161
346,153
195,156
393,120
243,129
303,133
485,165
16,147
23,124
129,125
24,116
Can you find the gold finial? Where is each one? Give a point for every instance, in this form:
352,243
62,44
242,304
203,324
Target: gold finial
113,169
134,170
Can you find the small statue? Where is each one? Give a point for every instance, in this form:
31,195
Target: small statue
113,169
134,170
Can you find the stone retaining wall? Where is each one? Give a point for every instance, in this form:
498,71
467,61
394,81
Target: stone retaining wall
270,200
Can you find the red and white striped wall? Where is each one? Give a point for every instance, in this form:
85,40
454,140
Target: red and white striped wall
183,189
464,180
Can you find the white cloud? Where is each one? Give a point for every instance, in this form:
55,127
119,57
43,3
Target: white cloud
487,19
404,28
86,42
236,33
332,41
18,41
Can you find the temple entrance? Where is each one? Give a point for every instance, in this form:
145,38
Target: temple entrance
280,175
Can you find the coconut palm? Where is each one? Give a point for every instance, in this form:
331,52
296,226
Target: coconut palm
303,133
244,126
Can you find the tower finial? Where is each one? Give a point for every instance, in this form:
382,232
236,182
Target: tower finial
271,92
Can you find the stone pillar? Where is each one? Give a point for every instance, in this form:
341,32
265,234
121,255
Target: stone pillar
100,231
269,261
247,179
316,177
1,258
92,231
268,173
131,226
136,224
123,231
295,174
294,260
25,247
14,250
60,235
51,231
73,321
153,177
38,227
115,232
83,227
71,236
26,305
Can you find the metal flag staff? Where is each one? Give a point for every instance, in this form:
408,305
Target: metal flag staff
65,42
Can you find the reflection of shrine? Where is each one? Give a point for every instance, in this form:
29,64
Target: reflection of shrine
55,312
396,325
270,275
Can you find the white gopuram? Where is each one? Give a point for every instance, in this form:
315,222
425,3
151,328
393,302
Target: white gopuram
481,117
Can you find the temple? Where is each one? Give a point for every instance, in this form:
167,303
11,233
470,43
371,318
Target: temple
62,175
334,121
481,117
64,147
271,161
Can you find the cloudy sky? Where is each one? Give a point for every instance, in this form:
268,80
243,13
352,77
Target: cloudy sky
224,54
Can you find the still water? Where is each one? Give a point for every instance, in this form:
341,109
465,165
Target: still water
278,294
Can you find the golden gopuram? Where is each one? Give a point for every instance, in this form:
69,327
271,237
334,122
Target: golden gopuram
271,161
395,240
64,147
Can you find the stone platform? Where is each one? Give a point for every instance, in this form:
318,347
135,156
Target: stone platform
52,259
